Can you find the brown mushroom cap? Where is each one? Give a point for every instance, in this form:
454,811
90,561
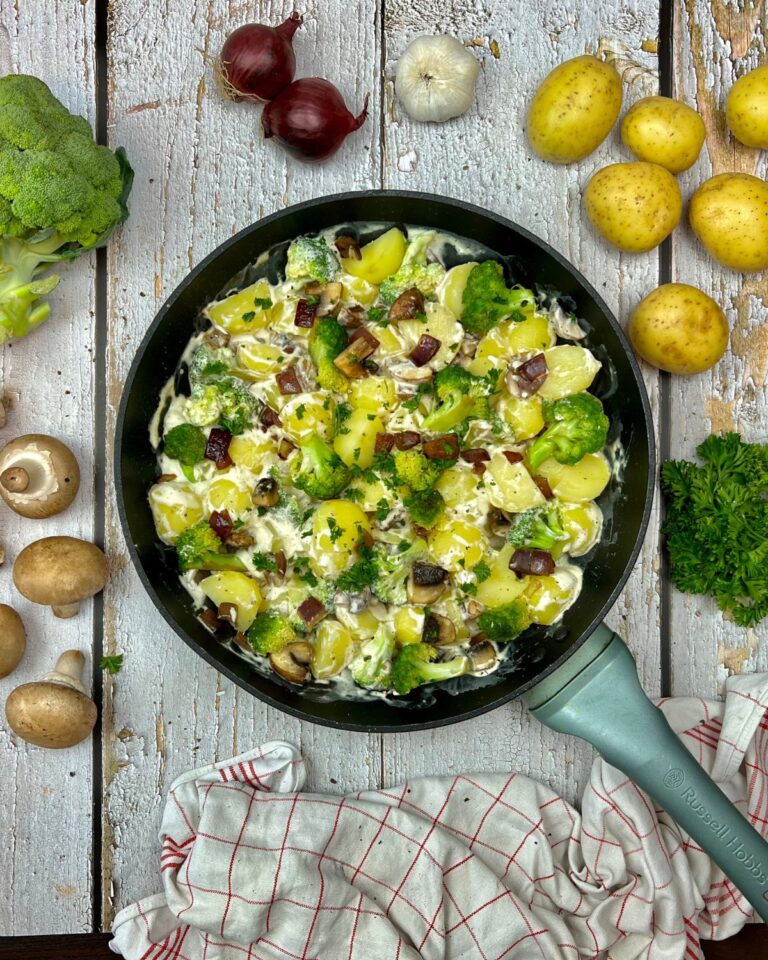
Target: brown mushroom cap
39,476
54,712
13,639
59,572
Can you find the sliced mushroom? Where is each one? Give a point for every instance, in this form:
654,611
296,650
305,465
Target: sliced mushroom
13,640
439,631
292,662
239,540
55,711
266,493
482,657
60,572
411,374
329,298
228,613
407,306
426,583
39,476
498,522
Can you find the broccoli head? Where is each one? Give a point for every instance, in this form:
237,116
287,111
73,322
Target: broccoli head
487,300
539,528
415,665
425,507
576,426
506,622
416,470
320,472
392,570
414,271
373,662
462,396
269,633
199,548
310,258
60,195
326,341
185,443
218,395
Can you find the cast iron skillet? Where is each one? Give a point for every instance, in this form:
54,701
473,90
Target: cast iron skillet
579,678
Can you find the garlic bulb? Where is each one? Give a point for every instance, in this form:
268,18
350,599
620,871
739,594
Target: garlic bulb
436,78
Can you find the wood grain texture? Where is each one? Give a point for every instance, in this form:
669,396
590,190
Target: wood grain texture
715,43
46,808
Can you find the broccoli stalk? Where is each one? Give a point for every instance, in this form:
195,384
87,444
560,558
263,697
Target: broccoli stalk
269,633
416,470
539,528
487,300
392,569
372,665
326,341
414,271
61,194
199,548
505,622
576,426
462,396
310,258
321,473
415,665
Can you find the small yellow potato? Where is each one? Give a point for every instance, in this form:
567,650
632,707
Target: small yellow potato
664,131
633,205
457,545
409,624
380,258
225,494
175,508
577,482
746,108
338,529
370,493
679,329
254,451
509,485
503,585
238,589
458,485
357,290
583,522
307,415
257,361
332,649
524,415
570,369
362,625
374,394
245,311
509,338
729,214
549,597
450,290
356,443
573,109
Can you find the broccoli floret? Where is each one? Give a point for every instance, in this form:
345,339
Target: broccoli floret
321,473
414,271
539,528
61,194
416,470
199,548
462,396
310,258
425,507
415,665
185,443
487,299
326,341
269,633
576,426
372,665
226,402
392,569
506,622
209,364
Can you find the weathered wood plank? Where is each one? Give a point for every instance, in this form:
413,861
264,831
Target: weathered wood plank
202,172
484,157
46,807
715,43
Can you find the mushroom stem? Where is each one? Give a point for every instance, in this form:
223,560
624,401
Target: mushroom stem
66,610
68,671
15,479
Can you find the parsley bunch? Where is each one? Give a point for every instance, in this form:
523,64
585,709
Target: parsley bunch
717,525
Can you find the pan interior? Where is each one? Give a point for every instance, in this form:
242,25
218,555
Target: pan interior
625,504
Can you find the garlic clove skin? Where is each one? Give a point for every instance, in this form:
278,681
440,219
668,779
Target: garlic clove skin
435,78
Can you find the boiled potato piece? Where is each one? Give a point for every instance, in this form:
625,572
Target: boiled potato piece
457,545
355,444
306,415
257,361
573,109
503,585
570,369
225,494
357,290
664,131
380,258
729,214
450,290
633,205
252,451
332,649
584,480
237,588
507,339
391,343
362,625
374,394
583,522
409,624
369,494
440,324
458,485
679,329
746,108
549,597
244,311
524,415
338,529
509,485
175,508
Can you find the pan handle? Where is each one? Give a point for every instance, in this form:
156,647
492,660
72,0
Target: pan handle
597,696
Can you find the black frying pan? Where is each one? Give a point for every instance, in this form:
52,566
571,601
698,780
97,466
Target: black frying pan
576,677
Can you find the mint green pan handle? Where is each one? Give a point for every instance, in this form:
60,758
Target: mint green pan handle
597,696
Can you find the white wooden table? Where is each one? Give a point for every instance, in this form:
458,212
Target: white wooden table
78,827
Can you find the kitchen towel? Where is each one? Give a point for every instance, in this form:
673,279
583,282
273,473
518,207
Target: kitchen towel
487,866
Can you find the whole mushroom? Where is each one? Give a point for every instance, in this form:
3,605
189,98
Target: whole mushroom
60,572
13,640
39,476
54,712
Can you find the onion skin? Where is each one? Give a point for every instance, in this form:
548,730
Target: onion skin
310,120
257,61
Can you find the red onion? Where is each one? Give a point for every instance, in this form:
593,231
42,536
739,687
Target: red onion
310,119
257,61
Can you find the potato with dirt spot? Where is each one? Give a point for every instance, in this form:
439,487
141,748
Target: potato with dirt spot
664,131
729,214
633,205
678,328
746,108
573,109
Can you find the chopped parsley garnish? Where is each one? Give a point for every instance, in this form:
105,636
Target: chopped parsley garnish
248,316
263,303
264,561
112,664
376,315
